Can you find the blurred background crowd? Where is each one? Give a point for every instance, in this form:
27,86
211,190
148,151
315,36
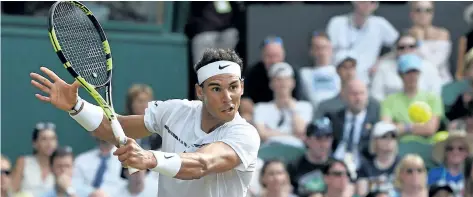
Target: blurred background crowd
331,111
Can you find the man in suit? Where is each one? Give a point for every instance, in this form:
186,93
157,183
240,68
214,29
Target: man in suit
352,125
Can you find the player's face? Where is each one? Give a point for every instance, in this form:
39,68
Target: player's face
221,96
46,142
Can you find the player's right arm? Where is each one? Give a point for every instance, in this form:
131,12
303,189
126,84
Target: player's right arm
64,96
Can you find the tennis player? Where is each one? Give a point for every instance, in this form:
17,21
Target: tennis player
208,149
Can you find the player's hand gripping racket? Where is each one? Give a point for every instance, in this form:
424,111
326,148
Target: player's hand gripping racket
81,45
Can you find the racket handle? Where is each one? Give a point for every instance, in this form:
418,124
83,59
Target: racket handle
122,139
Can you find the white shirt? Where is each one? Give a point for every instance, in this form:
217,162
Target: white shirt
268,114
179,124
320,83
364,43
387,81
150,187
86,166
342,147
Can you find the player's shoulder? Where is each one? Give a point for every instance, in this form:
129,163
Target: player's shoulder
175,105
239,124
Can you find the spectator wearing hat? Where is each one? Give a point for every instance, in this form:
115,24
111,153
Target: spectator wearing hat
362,34
283,119
395,107
410,177
320,81
387,81
451,154
306,172
338,179
378,173
352,125
441,191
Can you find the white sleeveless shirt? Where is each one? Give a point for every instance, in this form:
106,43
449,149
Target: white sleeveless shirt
32,181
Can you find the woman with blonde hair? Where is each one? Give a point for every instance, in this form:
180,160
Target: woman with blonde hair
410,177
137,99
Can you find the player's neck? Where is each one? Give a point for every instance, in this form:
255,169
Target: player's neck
208,122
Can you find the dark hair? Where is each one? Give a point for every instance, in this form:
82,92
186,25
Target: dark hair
41,126
376,193
214,55
265,167
331,162
61,152
467,172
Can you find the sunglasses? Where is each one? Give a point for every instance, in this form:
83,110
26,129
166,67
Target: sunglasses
45,125
452,148
412,170
424,10
390,135
6,172
338,173
403,47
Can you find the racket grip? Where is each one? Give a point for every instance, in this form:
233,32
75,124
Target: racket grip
122,139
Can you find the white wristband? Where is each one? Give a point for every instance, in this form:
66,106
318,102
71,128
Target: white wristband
169,164
89,117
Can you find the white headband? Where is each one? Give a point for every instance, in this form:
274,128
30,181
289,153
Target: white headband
217,68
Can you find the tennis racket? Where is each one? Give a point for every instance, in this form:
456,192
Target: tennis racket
80,43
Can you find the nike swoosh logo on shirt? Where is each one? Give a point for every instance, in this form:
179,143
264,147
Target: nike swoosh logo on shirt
222,67
168,157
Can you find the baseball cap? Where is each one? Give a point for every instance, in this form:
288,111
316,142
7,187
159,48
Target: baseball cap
320,127
281,69
343,56
408,62
436,188
382,127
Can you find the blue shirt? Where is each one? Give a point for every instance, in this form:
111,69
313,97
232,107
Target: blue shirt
441,176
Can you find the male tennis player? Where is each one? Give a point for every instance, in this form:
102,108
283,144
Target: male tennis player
208,149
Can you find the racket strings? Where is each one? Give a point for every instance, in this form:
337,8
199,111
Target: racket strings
80,43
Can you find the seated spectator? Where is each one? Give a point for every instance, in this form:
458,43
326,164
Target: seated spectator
143,183
306,172
275,180
410,178
62,164
377,174
137,100
394,107
256,77
32,173
246,110
338,180
465,43
461,103
284,119
451,154
98,168
320,81
5,188
440,191
436,46
387,81
363,34
468,172
352,125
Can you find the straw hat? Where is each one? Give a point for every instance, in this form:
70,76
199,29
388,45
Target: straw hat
438,152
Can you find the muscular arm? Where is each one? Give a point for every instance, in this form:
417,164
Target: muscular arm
214,158
133,126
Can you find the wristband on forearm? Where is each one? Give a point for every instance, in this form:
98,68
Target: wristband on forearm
89,116
168,164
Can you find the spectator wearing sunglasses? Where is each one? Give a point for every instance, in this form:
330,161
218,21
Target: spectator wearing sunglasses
362,34
32,173
410,178
378,173
451,154
338,180
436,45
6,189
387,81
306,172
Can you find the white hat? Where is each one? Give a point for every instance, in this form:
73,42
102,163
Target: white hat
343,56
382,127
281,69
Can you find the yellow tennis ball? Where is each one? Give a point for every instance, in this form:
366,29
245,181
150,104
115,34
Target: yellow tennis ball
419,112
